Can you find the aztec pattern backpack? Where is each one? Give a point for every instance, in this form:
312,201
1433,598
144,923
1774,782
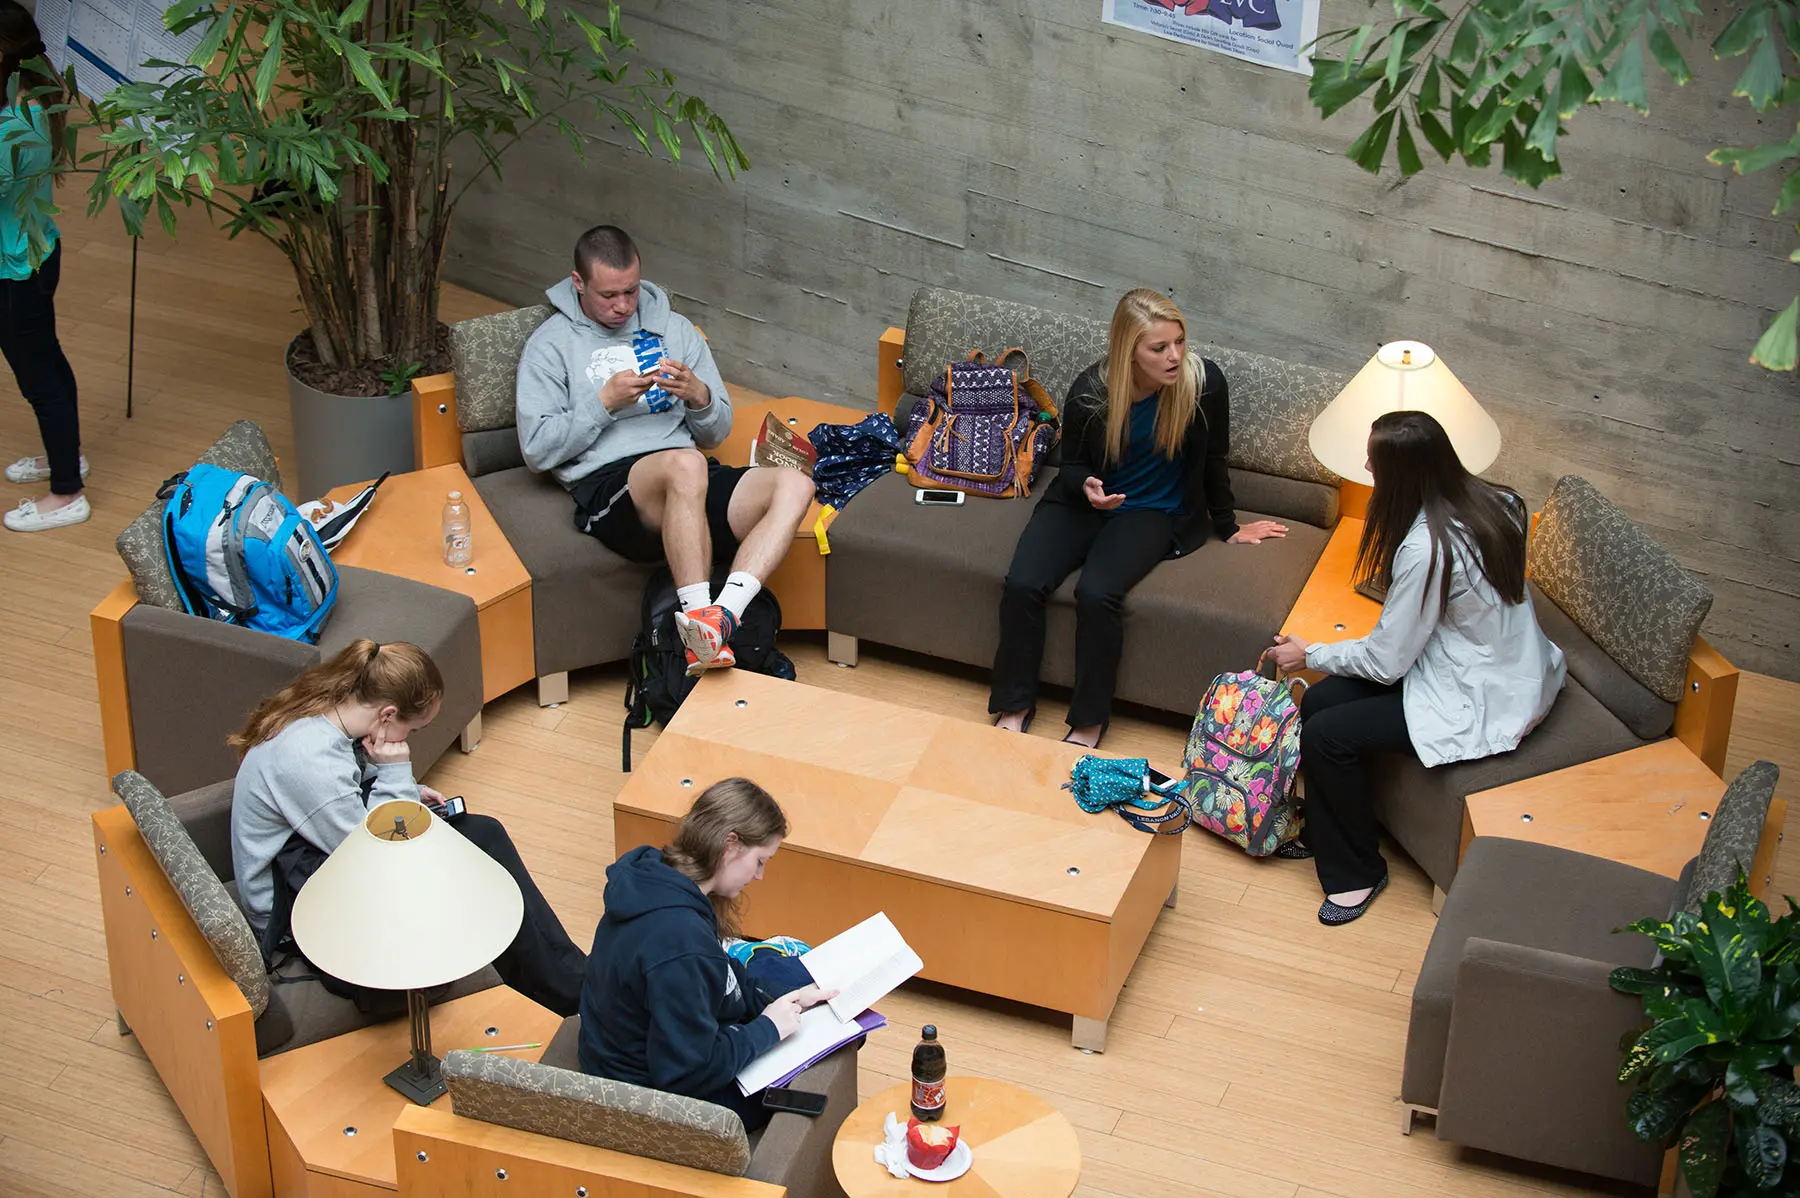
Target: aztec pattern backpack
1242,761
983,429
656,678
242,554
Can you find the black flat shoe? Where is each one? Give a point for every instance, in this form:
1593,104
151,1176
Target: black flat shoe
1093,748
1293,850
1024,725
1332,915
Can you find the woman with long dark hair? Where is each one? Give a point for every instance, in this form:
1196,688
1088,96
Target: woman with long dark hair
664,1005
1455,669
31,142
1143,478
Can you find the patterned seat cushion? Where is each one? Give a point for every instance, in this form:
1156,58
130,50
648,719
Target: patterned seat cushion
1733,834
597,1111
244,447
204,896
485,352
1618,586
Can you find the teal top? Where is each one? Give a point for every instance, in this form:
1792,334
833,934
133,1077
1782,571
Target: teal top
24,180
1146,477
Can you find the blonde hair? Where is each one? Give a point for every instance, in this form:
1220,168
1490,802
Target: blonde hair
400,674
1137,311
736,806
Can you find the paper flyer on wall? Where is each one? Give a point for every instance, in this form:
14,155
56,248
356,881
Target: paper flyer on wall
1275,33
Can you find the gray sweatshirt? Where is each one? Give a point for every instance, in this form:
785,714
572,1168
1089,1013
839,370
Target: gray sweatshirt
564,428
306,779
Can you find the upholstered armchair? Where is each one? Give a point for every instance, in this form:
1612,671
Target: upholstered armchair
1627,617
188,976
1514,1042
173,686
524,1127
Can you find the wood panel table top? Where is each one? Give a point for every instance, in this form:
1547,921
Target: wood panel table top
313,1095
1329,609
961,832
402,534
1023,1146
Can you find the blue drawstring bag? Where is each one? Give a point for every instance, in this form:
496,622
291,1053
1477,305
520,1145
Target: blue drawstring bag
1123,785
851,456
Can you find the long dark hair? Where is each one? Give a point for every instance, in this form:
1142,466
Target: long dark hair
20,43
734,807
1416,469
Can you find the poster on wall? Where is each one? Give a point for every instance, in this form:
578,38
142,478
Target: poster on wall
1275,33
109,41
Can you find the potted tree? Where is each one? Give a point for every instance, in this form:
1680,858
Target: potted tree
1714,1070
344,132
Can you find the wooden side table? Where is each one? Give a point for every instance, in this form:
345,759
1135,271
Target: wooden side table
1024,1147
1329,609
331,1117
402,534
1649,807
799,582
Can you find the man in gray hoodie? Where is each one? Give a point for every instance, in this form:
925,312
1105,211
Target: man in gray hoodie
618,399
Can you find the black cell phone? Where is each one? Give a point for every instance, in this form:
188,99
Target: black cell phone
800,1102
450,810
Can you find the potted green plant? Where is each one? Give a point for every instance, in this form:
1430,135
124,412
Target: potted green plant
1714,1070
344,132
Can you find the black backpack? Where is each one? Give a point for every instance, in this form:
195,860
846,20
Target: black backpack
656,679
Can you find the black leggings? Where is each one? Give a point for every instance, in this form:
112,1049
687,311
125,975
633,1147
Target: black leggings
28,342
541,963
1114,551
1342,722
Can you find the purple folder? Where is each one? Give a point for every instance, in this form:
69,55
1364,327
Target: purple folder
867,1022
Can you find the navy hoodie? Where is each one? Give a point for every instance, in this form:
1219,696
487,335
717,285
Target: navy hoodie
663,1004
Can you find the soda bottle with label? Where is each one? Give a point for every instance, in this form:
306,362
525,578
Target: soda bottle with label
928,1076
458,549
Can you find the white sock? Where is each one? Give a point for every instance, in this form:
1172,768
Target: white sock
738,591
694,596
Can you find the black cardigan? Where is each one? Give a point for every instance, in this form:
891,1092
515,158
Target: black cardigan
1205,479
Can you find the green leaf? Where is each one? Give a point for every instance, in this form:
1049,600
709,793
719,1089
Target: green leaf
1625,82
1747,160
1465,47
1745,1076
1761,81
364,69
271,60
1702,1151
1406,153
1780,1103
1542,139
1437,135
1430,97
1776,348
1667,54
1368,150
1739,32
1654,1116
1762,1153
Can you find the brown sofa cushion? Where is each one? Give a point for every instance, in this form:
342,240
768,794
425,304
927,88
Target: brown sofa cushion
1286,499
1734,833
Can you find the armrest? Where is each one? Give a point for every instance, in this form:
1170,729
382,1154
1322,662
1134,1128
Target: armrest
795,1151
437,439
1532,1065
109,675
1708,700
192,682
189,1017
438,1154
889,386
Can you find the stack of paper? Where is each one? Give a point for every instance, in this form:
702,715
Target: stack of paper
862,965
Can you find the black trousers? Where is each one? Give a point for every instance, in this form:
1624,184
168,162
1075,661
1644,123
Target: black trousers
541,963
28,341
1342,722
1114,551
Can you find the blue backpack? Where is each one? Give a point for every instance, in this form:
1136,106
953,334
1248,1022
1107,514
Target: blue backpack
242,554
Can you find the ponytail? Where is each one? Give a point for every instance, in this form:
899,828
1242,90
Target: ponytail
399,674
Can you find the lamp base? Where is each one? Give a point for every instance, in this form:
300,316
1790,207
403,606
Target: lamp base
422,1086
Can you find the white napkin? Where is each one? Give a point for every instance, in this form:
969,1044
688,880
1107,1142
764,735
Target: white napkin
892,1150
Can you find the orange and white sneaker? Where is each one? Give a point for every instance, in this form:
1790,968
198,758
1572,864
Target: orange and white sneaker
706,633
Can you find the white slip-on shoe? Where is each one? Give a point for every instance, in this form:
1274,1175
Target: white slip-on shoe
27,518
27,470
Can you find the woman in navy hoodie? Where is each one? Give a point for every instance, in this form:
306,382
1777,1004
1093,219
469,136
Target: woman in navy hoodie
663,1004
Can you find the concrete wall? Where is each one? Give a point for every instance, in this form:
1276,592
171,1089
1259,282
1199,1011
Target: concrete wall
1022,149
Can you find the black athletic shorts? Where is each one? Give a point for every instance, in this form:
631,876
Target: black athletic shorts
604,510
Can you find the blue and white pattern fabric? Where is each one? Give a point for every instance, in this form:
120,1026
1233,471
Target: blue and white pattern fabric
851,456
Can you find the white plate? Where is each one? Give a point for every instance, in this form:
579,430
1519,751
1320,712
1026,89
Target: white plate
955,1165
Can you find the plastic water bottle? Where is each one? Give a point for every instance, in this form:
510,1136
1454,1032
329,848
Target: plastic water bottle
458,549
928,1067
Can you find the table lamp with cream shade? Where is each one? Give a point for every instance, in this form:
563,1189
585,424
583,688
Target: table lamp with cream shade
1402,375
406,902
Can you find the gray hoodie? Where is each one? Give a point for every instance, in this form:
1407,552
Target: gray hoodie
564,428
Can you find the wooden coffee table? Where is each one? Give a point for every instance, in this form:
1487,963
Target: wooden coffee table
1024,1147
402,533
962,833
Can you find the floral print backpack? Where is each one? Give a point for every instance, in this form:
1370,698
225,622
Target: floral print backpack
1243,760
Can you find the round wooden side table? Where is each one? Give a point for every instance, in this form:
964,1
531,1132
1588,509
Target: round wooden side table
1023,1146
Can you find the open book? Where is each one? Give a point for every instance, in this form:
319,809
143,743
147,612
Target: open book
862,965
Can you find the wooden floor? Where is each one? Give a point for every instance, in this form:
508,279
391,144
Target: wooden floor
1253,1054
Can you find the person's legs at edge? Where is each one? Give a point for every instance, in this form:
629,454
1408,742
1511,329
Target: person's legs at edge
541,963
1130,544
669,491
1055,542
29,343
1342,722
762,508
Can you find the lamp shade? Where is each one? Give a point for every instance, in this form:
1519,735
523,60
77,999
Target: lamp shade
406,907
1402,375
